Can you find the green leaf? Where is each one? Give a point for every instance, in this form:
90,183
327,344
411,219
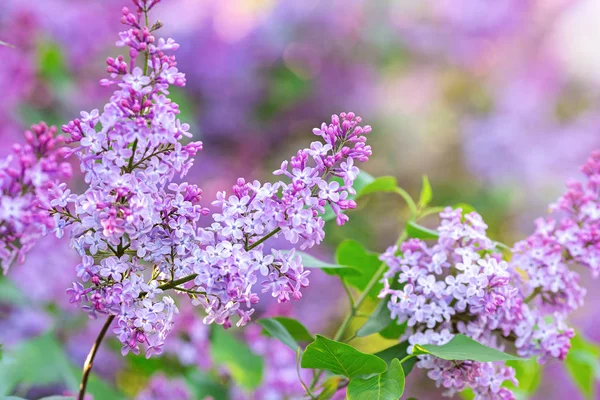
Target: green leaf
51,64
279,332
28,364
426,193
394,330
340,358
381,184
330,387
58,398
296,329
583,365
353,254
398,351
245,367
331,269
386,386
362,180
417,231
41,398
528,373
388,184
203,385
466,208
462,347
380,320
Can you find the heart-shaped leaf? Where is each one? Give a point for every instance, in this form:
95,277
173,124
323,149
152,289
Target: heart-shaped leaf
462,347
386,386
340,358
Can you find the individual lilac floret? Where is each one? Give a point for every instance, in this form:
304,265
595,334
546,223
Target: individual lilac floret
27,176
138,232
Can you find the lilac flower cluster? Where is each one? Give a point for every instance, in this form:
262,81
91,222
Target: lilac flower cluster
458,285
137,231
461,284
27,175
570,237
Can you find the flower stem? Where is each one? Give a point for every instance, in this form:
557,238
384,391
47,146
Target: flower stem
89,362
357,304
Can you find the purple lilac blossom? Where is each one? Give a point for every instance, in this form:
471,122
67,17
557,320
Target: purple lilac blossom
26,177
462,285
459,285
162,388
133,215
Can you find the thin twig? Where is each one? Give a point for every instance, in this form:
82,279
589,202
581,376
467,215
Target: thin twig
87,366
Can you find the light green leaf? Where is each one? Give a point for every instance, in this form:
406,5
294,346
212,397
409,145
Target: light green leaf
528,373
28,364
466,208
331,269
295,328
381,184
398,351
279,332
245,367
426,193
462,347
417,231
388,184
330,387
386,386
203,385
353,254
583,365
340,358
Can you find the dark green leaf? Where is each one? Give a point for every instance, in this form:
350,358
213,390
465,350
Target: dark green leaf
331,269
245,367
398,351
386,386
340,358
583,365
462,347
353,254
394,330
426,193
417,231
380,320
